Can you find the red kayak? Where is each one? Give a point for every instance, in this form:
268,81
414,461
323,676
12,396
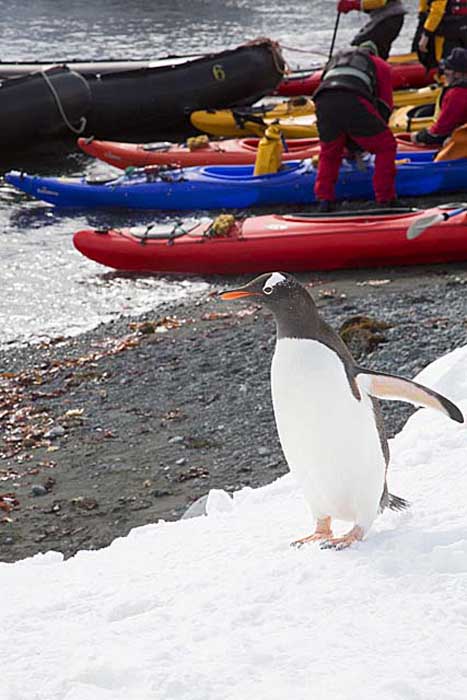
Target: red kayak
228,152
296,242
405,74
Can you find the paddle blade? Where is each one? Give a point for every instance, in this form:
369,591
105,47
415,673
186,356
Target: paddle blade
418,227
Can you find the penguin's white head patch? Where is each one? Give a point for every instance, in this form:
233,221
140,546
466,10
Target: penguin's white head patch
275,279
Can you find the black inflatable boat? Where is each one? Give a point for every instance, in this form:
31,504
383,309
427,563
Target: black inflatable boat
132,100
46,105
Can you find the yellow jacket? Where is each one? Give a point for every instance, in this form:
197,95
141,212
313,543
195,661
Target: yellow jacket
436,10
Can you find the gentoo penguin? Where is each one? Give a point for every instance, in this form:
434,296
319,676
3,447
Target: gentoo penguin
327,414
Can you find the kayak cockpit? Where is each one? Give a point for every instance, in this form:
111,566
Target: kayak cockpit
244,172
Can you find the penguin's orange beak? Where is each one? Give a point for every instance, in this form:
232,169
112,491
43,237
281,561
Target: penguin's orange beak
237,294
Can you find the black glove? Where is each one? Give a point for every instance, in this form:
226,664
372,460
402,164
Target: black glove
424,136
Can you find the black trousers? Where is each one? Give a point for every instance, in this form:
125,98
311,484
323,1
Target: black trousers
339,111
382,34
452,29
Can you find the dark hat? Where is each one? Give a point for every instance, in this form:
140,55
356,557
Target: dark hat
456,61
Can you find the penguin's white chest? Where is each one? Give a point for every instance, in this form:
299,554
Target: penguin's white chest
329,437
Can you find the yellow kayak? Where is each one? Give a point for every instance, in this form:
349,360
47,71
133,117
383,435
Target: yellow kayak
403,119
421,96
249,121
412,118
296,116
232,125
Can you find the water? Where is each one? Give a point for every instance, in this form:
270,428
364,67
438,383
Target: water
47,288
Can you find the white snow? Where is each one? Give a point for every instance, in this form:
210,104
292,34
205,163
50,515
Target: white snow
219,607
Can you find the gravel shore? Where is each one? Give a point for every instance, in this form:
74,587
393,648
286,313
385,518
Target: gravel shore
136,420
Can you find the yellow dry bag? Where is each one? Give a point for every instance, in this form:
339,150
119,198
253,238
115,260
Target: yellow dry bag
270,149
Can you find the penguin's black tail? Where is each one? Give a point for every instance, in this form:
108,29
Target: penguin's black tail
397,503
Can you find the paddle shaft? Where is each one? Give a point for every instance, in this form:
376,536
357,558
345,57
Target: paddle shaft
333,40
456,211
447,214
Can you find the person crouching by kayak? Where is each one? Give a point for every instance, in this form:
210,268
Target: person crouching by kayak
442,26
386,18
452,101
353,104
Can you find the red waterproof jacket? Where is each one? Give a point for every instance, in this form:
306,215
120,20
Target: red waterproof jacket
453,111
453,114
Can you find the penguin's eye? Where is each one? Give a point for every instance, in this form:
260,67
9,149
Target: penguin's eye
267,290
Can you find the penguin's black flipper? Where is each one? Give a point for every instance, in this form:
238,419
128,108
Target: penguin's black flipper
394,388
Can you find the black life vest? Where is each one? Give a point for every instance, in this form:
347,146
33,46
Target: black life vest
352,70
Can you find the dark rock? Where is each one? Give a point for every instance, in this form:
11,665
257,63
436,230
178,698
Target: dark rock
160,493
38,490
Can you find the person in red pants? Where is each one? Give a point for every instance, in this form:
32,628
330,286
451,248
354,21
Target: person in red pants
353,103
385,20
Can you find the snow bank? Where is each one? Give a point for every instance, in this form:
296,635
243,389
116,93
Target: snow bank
221,608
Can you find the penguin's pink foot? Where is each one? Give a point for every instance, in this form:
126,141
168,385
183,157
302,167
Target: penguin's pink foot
323,532
354,535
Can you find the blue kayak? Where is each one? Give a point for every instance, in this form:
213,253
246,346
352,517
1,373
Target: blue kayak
226,187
